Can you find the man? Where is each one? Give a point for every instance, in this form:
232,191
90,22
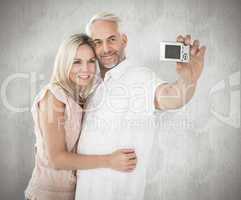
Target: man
121,111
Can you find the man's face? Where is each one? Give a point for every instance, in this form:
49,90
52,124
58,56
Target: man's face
109,43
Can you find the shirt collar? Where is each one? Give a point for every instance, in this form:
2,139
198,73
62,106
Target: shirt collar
118,70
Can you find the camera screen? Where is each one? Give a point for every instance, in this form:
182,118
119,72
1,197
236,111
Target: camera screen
172,51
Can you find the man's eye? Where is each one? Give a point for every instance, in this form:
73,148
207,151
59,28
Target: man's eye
97,43
113,39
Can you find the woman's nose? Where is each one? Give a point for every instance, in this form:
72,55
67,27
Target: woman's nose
84,67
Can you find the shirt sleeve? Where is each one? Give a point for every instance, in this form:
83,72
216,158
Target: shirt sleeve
152,82
148,82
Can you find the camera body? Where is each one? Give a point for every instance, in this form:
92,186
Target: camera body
174,51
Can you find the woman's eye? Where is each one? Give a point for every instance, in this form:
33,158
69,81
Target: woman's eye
92,61
76,62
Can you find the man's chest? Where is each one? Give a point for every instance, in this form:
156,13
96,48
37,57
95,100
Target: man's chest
119,98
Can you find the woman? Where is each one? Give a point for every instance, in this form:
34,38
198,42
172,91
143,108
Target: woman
57,113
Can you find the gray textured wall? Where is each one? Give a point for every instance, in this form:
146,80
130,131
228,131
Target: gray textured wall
199,146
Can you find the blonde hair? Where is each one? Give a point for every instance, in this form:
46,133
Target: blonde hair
105,16
63,64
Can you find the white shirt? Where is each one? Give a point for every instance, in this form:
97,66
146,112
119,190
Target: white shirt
120,114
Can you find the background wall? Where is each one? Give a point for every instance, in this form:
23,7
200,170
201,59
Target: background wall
198,147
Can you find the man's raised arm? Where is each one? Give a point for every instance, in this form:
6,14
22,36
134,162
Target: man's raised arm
175,95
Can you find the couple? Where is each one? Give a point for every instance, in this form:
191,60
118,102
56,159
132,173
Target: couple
116,130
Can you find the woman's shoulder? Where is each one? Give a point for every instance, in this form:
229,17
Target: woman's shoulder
53,90
57,91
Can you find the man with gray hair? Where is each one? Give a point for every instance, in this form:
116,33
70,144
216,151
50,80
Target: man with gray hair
120,114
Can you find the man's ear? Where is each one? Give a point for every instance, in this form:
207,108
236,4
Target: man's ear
124,39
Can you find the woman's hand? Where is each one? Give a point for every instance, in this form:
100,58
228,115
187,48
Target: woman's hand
123,160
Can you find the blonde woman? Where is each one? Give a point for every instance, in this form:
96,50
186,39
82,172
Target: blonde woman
57,113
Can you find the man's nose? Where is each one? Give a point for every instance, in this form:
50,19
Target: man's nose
106,47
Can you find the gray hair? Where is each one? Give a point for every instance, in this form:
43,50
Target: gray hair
105,16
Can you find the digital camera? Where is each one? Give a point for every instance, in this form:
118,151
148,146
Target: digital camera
174,51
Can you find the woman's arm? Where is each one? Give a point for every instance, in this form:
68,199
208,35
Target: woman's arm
51,119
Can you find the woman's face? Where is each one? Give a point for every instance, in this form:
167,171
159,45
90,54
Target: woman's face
84,66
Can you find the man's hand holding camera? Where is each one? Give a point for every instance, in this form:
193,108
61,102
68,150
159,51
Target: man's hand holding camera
190,72
175,95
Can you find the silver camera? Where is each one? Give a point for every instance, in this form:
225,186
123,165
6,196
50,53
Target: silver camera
174,51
